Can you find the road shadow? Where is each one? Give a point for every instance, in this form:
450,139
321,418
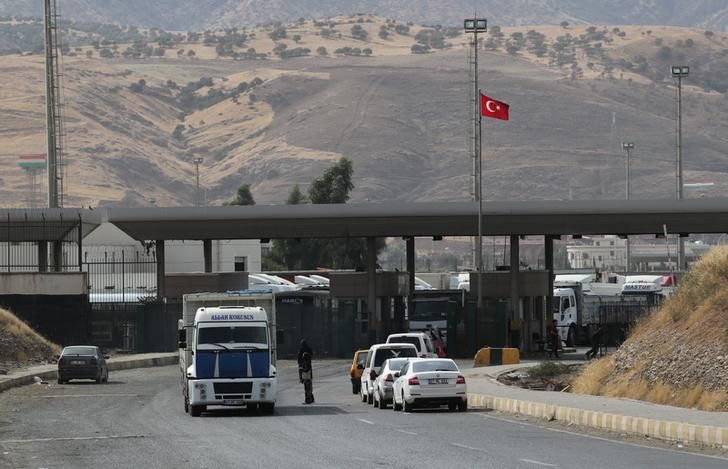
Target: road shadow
288,411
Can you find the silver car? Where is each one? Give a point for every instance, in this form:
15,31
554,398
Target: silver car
384,381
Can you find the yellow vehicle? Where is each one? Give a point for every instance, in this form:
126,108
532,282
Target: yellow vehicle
357,366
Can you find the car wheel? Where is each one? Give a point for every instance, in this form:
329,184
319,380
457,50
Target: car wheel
106,376
395,406
463,406
363,395
375,399
60,381
268,407
99,379
382,404
406,407
195,410
370,399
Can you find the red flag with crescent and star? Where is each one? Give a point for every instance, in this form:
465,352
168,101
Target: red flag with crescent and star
489,107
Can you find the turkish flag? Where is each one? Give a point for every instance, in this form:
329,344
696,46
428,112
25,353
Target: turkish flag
489,107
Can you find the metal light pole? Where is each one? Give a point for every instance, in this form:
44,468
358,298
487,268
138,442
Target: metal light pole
197,162
679,72
627,146
475,26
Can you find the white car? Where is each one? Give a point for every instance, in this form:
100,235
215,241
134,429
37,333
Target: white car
385,380
421,341
377,354
430,382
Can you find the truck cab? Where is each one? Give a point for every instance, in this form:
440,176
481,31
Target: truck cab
566,313
231,362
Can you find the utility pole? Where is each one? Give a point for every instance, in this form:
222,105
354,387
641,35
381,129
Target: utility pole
197,162
679,72
627,146
474,26
54,124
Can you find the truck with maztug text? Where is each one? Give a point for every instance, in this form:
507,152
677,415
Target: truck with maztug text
227,359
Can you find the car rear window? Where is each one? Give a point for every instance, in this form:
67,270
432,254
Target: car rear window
427,365
79,351
396,352
407,340
395,364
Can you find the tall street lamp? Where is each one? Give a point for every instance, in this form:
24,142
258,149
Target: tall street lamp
197,162
679,72
627,146
474,26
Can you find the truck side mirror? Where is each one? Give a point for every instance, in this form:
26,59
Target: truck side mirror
182,344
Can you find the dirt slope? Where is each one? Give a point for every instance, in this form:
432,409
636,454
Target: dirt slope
679,354
21,346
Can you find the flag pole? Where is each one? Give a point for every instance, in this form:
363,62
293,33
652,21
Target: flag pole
480,204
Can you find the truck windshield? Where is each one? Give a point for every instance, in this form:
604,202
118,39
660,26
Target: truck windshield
232,335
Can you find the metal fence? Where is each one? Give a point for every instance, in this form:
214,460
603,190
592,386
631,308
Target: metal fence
121,278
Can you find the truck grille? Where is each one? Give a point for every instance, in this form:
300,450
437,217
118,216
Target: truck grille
233,388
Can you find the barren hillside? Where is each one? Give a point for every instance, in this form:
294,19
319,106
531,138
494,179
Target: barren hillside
678,355
272,108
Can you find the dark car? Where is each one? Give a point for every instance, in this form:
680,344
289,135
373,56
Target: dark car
82,362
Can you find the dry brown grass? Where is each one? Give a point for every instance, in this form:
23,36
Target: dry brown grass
24,338
694,318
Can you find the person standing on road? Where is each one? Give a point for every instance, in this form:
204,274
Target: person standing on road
555,339
305,370
596,339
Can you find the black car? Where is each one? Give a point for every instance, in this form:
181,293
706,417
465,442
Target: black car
82,362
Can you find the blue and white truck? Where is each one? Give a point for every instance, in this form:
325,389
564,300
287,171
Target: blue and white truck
227,359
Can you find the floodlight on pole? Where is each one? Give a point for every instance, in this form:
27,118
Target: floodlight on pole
627,146
197,162
474,26
679,72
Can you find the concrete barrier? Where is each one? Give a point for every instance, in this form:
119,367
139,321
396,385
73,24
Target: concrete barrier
642,426
488,356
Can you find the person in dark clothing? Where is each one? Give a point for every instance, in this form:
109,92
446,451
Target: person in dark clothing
305,371
554,339
596,340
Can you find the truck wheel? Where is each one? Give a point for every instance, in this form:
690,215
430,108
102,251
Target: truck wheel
195,410
187,406
268,407
571,336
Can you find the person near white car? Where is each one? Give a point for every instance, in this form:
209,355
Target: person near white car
430,382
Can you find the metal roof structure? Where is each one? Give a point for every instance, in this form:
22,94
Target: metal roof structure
554,218
46,224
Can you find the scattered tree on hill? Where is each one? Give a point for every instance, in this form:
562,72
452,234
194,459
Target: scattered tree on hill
321,51
402,29
177,133
708,34
419,49
138,87
367,51
278,33
564,24
357,32
243,196
296,38
383,33
431,38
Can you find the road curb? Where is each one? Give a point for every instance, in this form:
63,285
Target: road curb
642,426
115,365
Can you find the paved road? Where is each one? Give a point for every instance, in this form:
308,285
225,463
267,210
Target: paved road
137,420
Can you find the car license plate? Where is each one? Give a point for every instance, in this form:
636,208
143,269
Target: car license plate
76,362
438,381
233,401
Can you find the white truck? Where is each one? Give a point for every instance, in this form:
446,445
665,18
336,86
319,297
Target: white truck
580,306
227,358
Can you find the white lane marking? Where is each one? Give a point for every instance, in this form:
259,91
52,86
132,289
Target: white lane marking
538,463
593,437
407,433
468,447
366,421
89,395
74,438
